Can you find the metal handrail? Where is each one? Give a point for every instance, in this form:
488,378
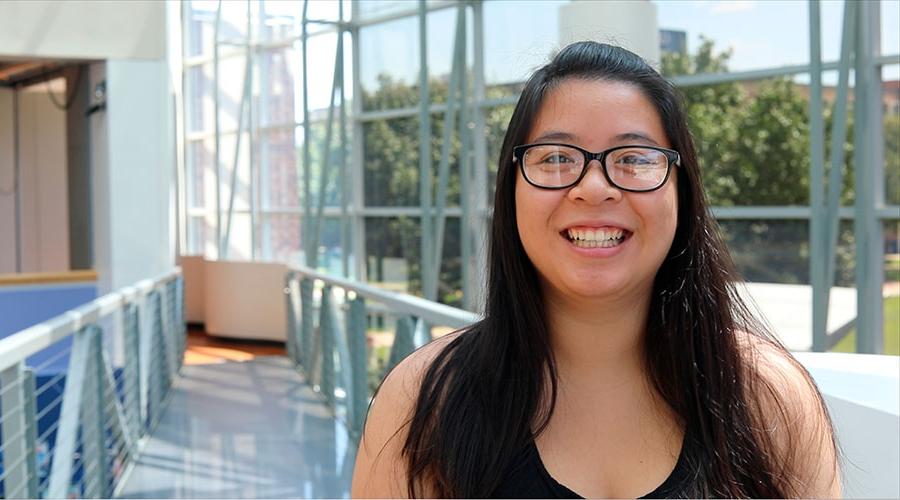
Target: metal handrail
432,312
104,410
332,352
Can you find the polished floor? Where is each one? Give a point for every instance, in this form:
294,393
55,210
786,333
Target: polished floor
242,425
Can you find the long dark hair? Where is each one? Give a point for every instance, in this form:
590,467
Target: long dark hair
493,388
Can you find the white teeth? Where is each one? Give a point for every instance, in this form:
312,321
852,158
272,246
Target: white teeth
593,238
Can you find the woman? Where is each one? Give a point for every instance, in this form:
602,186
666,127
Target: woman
615,358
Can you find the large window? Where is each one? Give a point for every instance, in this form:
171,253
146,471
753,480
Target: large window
743,68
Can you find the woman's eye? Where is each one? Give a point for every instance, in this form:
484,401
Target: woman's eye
557,159
635,160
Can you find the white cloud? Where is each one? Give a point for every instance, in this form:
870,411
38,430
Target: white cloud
730,6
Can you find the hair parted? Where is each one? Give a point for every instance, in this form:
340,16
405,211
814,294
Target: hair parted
494,387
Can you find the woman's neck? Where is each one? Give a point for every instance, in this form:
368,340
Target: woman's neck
598,340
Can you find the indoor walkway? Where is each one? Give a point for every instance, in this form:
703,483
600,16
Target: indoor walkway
243,429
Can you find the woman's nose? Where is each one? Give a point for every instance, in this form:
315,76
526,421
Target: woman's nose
594,187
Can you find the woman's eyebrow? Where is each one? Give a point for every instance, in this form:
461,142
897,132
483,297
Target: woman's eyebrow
554,135
635,136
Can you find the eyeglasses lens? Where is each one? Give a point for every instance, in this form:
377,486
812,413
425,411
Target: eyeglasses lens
633,168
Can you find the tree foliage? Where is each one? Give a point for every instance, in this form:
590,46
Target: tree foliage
752,140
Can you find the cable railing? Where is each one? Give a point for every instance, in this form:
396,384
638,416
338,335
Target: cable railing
329,320
79,392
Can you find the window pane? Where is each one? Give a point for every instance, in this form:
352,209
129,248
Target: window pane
242,191
391,158
200,99
890,27
202,174
389,64
368,10
769,251
752,141
200,27
891,106
280,238
519,36
231,91
279,159
392,253
892,287
281,99
735,26
202,235
239,238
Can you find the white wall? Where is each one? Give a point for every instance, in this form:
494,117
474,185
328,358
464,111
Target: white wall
629,23
7,181
133,165
862,392
43,212
43,188
83,29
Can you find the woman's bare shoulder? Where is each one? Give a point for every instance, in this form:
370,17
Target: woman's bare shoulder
380,468
791,410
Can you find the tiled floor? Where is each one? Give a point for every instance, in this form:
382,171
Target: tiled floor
242,425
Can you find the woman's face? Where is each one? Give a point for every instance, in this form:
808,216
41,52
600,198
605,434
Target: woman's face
597,115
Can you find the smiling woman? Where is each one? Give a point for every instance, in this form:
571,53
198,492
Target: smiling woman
615,358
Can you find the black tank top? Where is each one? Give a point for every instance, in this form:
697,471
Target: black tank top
526,477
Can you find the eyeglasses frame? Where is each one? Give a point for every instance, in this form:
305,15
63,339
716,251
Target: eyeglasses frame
673,157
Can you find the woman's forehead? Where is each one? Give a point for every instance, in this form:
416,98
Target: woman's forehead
597,111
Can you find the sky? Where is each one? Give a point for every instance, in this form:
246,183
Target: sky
519,35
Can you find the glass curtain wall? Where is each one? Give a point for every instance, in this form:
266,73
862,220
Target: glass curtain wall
395,154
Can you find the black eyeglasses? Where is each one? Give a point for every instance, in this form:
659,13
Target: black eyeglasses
633,168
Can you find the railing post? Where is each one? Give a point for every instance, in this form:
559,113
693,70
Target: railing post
403,341
358,398
31,434
158,376
93,420
326,331
132,370
67,432
306,325
15,431
182,320
290,317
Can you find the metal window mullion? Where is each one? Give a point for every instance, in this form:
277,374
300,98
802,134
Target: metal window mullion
357,163
426,223
307,170
336,82
868,164
457,72
465,165
242,111
817,234
479,188
345,186
217,130
252,141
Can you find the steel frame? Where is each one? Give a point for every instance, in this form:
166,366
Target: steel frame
860,51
